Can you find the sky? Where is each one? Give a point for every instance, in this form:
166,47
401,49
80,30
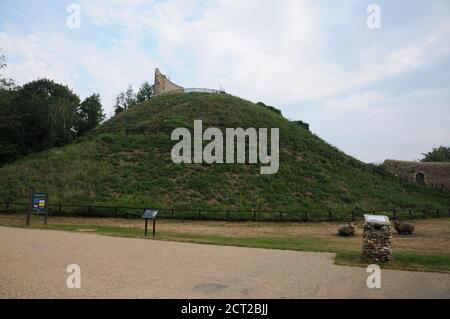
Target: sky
375,93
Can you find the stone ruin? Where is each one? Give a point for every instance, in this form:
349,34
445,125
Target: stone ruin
434,174
164,85
377,238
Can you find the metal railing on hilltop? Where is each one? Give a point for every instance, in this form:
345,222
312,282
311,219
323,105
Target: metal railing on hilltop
192,90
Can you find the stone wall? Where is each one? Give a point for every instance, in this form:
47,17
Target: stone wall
164,85
426,173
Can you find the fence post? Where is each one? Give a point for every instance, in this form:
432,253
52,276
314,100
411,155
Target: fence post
437,212
410,213
199,214
329,216
353,215
394,211
280,216
30,206
254,214
423,213
306,216
115,211
228,215
7,207
172,212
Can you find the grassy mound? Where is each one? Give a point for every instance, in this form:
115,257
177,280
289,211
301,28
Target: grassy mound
126,161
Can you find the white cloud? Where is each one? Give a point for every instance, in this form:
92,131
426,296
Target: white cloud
272,51
54,55
252,48
373,126
387,62
263,51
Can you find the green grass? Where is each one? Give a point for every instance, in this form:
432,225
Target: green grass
115,169
404,260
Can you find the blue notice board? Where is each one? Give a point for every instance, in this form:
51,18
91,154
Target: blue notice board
39,203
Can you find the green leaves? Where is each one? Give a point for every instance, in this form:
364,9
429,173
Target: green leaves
439,154
89,114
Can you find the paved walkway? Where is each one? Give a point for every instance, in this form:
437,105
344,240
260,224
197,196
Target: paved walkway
33,265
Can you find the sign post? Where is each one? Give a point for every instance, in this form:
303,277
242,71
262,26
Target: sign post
38,205
30,206
150,214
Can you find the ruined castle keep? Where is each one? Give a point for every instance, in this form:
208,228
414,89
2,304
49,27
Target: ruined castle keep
164,85
434,174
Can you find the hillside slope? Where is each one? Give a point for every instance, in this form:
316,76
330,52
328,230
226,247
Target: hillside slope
127,161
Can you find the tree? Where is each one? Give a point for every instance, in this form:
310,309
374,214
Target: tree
9,127
47,112
4,82
120,103
145,92
89,114
40,115
439,154
125,100
9,121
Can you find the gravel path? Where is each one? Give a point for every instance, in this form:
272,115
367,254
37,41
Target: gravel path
33,265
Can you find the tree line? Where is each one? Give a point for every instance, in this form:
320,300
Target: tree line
437,154
128,99
42,114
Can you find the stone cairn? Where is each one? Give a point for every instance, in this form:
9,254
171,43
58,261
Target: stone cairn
377,238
